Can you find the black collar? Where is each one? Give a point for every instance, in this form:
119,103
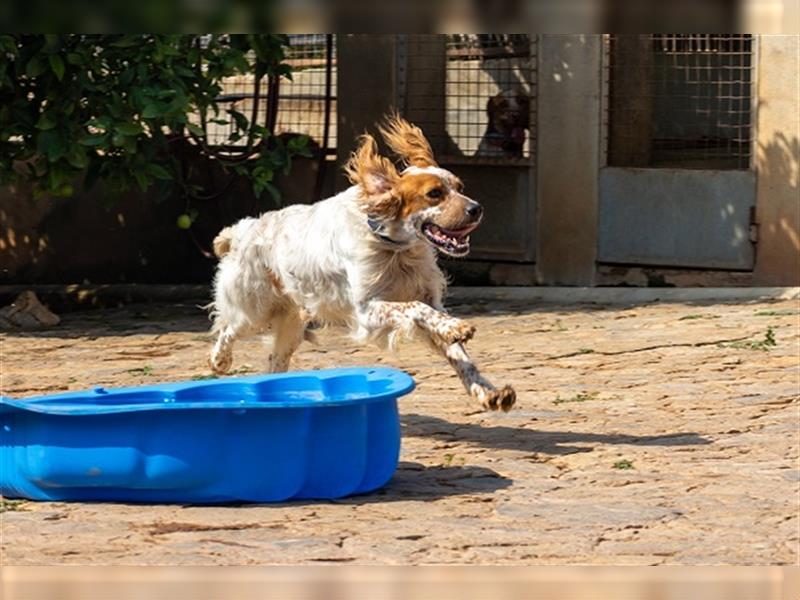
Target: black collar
376,227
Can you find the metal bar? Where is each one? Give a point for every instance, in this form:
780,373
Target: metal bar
327,119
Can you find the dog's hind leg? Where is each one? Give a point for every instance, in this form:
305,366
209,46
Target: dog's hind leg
287,333
221,357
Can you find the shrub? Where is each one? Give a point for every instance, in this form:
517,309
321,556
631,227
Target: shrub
109,106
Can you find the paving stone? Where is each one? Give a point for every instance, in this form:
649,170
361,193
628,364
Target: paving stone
665,444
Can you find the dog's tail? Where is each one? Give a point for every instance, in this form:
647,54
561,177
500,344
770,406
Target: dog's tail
225,242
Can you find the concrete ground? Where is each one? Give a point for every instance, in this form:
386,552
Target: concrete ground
653,434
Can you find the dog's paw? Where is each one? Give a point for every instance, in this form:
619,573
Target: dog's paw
220,364
459,332
502,399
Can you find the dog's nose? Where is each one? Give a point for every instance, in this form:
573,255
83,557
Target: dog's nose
475,210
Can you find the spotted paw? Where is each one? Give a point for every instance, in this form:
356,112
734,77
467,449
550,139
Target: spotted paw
502,399
459,332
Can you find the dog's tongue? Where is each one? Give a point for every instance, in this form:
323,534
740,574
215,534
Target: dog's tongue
518,135
459,233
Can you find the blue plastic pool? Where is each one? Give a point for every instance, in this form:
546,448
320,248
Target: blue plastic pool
266,438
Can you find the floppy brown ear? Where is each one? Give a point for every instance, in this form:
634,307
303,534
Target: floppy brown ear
407,141
375,175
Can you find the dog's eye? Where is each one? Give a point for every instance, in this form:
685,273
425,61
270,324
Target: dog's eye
435,193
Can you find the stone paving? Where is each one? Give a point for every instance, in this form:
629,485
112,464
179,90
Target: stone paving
651,434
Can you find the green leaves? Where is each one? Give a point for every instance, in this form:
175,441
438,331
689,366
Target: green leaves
198,131
153,110
52,145
57,65
35,67
239,119
158,172
107,107
46,121
93,140
299,145
133,129
77,157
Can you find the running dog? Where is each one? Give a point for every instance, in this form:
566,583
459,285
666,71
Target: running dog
364,260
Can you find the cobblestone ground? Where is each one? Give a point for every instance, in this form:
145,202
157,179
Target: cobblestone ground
662,433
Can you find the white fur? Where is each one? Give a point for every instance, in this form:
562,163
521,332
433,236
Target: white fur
327,261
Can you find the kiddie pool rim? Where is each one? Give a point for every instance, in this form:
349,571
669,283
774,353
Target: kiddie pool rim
400,383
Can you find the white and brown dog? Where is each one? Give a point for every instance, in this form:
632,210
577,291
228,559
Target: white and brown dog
364,259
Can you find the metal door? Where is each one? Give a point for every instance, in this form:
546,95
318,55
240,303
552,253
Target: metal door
679,188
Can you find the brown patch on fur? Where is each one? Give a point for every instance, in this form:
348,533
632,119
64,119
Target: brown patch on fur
412,190
407,141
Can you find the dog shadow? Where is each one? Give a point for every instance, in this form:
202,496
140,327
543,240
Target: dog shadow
535,440
414,481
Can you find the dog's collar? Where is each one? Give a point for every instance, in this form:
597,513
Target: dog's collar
377,227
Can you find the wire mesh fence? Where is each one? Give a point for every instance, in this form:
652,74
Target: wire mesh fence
679,100
474,94
302,102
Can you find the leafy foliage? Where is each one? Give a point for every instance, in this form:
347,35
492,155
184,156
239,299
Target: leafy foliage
110,106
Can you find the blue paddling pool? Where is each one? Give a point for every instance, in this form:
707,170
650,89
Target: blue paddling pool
267,438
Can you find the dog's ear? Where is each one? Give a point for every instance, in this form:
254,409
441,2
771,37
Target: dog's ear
377,176
407,141
374,173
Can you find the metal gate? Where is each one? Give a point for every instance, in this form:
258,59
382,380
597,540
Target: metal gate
474,95
678,188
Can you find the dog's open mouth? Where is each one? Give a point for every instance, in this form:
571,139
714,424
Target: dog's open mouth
453,242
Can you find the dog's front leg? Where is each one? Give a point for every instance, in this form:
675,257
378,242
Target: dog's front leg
392,317
476,384
445,333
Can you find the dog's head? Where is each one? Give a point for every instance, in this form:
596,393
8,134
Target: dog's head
422,202
508,114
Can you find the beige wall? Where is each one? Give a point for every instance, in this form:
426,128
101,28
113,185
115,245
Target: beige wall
777,161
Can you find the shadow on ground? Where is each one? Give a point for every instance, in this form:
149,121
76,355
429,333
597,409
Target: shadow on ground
414,481
534,440
135,319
